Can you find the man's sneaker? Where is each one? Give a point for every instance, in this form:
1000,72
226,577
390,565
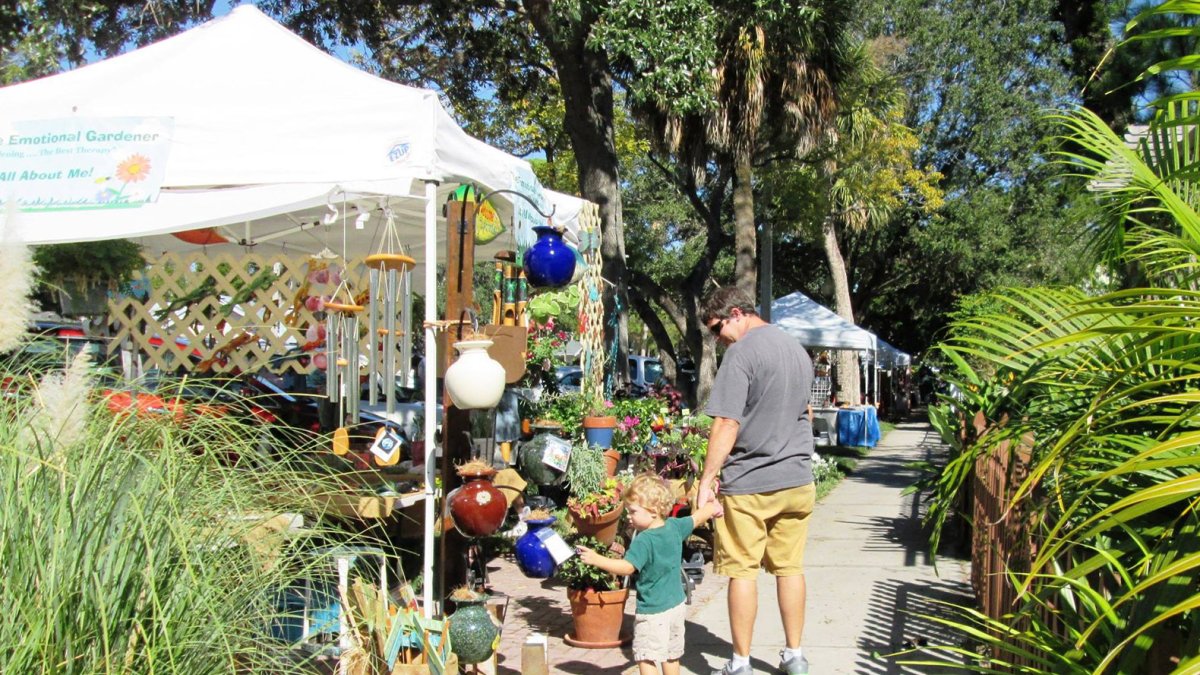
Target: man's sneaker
793,666
728,669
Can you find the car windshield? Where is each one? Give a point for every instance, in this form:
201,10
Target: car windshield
654,372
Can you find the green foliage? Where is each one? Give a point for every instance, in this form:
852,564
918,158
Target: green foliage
586,471
110,262
566,409
131,544
1104,388
578,576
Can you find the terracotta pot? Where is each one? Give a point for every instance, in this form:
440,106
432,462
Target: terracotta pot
477,507
599,430
598,618
611,459
603,527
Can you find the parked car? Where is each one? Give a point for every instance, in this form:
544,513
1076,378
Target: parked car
644,373
570,379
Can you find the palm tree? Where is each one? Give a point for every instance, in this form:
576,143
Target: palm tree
775,94
1105,385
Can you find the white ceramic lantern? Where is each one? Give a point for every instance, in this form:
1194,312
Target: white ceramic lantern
475,381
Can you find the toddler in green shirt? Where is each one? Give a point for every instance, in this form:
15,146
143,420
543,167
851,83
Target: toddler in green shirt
656,554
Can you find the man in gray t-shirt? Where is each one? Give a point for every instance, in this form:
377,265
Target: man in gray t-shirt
761,444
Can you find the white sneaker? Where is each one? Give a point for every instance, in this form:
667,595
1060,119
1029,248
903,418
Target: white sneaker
728,669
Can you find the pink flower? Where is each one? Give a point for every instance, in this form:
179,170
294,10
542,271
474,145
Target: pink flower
608,404
629,423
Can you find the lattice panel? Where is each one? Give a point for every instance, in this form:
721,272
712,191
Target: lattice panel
591,309
232,312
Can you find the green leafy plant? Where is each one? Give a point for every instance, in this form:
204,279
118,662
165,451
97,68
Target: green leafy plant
606,499
109,262
582,577
566,409
586,471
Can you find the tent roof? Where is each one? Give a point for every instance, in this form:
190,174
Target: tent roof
817,327
264,128
888,356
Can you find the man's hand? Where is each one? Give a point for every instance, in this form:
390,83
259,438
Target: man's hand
707,504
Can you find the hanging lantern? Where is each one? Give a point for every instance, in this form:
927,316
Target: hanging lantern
549,262
475,381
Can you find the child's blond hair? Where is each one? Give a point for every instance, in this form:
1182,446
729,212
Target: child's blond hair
651,493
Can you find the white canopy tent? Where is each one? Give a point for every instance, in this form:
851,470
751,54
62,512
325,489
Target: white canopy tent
242,126
818,327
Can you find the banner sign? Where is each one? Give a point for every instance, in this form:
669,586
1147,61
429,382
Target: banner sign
84,163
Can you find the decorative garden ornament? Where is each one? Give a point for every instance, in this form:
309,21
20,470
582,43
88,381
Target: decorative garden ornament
477,507
390,310
475,381
550,262
533,557
474,636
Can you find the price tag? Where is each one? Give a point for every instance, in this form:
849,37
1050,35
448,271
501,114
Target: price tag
557,454
555,545
386,445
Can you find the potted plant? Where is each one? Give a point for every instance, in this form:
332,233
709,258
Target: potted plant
597,600
83,273
599,426
597,512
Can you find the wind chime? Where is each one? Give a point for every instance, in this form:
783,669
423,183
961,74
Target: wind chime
342,312
390,293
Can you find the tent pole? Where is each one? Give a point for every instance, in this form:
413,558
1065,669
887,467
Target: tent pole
430,378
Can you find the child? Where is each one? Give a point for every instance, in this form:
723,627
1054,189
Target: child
656,554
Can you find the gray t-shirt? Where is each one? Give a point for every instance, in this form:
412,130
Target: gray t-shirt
764,384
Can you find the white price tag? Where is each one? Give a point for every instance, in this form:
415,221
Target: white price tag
555,545
557,454
386,445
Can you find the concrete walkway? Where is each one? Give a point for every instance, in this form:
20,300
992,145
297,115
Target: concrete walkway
866,568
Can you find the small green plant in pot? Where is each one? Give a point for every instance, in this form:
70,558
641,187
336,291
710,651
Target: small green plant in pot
82,273
597,599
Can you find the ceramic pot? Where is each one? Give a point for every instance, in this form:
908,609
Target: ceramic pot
477,507
529,461
603,527
475,381
612,459
473,634
598,617
599,430
530,551
549,262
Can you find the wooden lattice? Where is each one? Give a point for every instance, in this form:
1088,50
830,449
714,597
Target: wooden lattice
232,313
591,308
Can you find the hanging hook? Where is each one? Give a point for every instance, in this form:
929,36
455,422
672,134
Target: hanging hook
524,196
474,321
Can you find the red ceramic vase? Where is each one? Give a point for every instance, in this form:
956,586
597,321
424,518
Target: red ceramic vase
477,507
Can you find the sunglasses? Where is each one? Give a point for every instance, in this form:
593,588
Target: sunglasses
717,327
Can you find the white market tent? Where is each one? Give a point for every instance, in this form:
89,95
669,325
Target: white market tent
241,125
818,327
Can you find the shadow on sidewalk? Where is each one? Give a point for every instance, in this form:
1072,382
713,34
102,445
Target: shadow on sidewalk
903,617
702,642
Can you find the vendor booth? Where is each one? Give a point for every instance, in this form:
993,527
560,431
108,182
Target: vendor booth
819,328
242,143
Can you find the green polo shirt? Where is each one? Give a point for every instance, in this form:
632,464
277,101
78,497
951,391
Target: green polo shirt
657,554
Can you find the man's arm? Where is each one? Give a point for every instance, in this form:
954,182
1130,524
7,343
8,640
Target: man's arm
720,443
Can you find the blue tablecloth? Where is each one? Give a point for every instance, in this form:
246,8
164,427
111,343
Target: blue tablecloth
858,426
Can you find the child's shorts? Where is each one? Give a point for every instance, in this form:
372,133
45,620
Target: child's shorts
659,637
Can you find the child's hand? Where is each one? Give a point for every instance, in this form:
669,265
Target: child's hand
587,556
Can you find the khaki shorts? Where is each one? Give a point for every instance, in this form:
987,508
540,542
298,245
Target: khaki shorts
764,530
659,637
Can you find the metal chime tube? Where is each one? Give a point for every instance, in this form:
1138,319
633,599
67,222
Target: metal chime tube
332,342
351,373
406,341
373,339
389,349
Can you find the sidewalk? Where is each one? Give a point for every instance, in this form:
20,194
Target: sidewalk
866,566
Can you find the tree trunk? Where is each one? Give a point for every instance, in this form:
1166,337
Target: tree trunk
848,389
587,88
745,233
